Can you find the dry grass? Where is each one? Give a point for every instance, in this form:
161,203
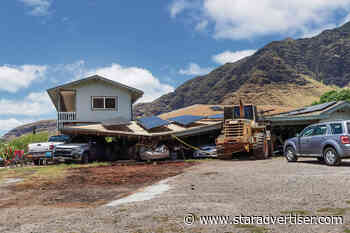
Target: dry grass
288,95
334,211
33,174
197,109
205,110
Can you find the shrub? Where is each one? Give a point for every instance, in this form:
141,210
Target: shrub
21,143
337,95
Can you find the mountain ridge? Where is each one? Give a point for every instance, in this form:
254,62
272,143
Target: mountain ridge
322,62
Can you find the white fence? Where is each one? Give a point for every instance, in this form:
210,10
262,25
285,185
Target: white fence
67,116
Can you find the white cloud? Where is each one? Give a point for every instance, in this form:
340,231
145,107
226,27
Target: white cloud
13,78
76,68
8,124
34,104
61,73
242,19
311,32
139,78
39,7
195,69
346,19
308,33
177,7
201,25
229,56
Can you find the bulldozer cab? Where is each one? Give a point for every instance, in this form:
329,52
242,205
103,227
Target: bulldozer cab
248,112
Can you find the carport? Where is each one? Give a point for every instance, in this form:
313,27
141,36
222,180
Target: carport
286,125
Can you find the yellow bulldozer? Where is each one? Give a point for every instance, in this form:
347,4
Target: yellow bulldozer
244,130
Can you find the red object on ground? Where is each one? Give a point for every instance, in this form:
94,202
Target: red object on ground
18,155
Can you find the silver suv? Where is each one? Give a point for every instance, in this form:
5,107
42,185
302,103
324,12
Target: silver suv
328,142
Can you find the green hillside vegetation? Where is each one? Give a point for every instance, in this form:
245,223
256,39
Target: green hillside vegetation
21,143
336,95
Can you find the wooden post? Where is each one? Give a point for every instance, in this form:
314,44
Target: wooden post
182,153
58,110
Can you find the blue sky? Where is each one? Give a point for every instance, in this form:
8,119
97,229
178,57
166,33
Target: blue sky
151,45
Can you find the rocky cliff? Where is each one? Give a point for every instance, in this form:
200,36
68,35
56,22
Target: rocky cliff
288,73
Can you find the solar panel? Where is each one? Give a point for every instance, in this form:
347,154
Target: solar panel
293,112
151,122
320,107
186,119
217,116
314,108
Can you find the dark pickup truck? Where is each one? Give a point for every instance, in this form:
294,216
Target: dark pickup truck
72,152
81,150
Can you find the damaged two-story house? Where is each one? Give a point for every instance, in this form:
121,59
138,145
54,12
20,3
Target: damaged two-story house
93,100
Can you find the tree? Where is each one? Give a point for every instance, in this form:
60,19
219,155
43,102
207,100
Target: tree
337,95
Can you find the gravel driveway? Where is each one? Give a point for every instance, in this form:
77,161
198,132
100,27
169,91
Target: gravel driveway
265,187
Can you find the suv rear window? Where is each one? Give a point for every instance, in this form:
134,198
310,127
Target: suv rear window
337,128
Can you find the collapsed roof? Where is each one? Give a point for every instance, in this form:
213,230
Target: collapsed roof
135,130
193,120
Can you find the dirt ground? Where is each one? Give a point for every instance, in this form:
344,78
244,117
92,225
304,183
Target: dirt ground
86,186
265,187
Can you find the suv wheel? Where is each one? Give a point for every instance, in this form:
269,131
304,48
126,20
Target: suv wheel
85,158
290,154
331,157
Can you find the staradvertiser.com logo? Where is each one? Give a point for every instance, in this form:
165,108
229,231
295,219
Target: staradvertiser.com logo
292,219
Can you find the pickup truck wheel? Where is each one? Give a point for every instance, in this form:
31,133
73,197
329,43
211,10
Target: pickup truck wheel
331,157
85,158
290,154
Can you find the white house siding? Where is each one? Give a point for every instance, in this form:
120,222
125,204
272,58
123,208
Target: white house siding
84,92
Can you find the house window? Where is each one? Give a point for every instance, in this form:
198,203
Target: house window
98,103
110,102
104,103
